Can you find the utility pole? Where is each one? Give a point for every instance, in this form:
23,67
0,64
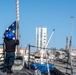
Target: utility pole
67,53
72,17
70,51
28,56
70,46
17,26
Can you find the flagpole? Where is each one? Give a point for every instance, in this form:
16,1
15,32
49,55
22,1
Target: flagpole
17,25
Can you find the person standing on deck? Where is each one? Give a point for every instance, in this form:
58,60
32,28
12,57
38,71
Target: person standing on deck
10,41
10,45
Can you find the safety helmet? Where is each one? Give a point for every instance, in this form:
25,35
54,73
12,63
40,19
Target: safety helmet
9,35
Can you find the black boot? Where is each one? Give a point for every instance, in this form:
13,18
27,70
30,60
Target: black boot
9,70
4,69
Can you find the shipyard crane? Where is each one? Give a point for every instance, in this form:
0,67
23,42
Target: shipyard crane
46,50
42,51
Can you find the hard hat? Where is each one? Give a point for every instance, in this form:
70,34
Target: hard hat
9,35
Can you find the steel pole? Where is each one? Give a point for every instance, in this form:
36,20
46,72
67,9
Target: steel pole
70,51
29,56
17,26
67,53
72,17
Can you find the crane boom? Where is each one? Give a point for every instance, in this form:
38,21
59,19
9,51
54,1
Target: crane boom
50,38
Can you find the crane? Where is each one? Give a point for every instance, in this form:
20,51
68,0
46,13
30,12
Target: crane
42,51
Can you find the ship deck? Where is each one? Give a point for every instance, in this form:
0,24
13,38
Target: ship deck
21,72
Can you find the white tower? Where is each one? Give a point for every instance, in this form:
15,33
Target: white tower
41,37
44,37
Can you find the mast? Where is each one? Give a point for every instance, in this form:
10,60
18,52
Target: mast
17,25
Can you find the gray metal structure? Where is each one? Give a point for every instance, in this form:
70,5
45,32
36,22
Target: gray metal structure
17,24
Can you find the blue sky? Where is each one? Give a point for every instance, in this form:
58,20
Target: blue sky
53,14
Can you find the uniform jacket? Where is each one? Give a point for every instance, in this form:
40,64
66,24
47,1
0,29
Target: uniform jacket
10,45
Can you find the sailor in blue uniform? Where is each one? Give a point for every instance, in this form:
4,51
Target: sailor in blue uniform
10,45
